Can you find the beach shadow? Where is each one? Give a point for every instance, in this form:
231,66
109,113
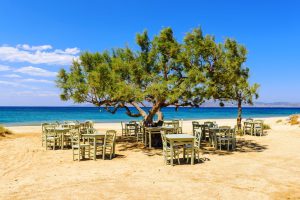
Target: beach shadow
246,146
129,143
242,146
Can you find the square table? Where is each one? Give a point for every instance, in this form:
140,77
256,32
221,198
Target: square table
61,131
95,137
181,139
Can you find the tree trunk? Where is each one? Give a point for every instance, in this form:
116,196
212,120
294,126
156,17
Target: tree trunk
156,138
239,117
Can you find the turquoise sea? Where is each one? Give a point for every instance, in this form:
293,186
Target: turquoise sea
37,115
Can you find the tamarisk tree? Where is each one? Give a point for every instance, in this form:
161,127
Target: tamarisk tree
162,72
230,80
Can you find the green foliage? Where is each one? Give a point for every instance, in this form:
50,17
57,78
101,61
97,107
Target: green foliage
266,127
4,131
161,73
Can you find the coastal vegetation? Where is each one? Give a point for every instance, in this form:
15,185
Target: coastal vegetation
294,120
162,72
266,126
4,131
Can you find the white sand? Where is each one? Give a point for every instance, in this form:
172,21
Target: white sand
265,167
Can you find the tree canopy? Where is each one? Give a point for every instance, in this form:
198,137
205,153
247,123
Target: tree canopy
162,72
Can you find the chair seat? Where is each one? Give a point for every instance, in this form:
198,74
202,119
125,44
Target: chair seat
52,137
80,145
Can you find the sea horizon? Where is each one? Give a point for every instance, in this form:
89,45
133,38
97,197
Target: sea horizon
35,115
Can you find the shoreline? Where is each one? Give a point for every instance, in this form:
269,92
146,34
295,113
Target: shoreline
133,119
187,124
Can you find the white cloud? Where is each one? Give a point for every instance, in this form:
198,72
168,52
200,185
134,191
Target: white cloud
10,83
12,76
35,71
36,80
36,94
4,68
43,54
34,48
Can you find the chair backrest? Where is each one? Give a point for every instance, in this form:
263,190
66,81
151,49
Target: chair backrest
198,135
43,127
249,120
225,131
164,139
89,124
209,124
75,136
91,131
50,130
110,137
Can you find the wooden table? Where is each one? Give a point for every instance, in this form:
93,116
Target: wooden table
181,139
154,130
62,131
95,137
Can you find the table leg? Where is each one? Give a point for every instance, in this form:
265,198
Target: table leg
193,153
94,148
172,152
62,140
150,139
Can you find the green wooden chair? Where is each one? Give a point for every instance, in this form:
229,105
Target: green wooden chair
187,149
109,143
226,137
52,139
258,128
43,135
248,126
79,149
167,150
196,126
123,129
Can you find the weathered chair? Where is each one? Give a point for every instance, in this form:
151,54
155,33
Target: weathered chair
43,136
79,149
258,127
51,137
187,149
109,143
248,126
123,129
167,149
196,126
226,136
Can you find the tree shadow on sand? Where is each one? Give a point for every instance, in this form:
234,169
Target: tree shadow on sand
242,146
130,144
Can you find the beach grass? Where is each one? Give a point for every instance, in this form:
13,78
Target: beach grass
266,127
294,120
4,131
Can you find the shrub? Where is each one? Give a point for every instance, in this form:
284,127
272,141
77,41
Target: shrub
294,119
4,131
266,126
279,121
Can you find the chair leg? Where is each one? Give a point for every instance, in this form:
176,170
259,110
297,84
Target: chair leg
103,153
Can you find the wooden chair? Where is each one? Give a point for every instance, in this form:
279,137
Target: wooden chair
258,127
52,139
196,126
79,149
248,126
187,149
109,143
167,150
43,136
226,136
123,129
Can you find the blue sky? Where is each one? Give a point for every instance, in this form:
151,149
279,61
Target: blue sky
37,38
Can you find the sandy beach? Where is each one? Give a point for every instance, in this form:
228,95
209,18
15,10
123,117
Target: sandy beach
266,167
